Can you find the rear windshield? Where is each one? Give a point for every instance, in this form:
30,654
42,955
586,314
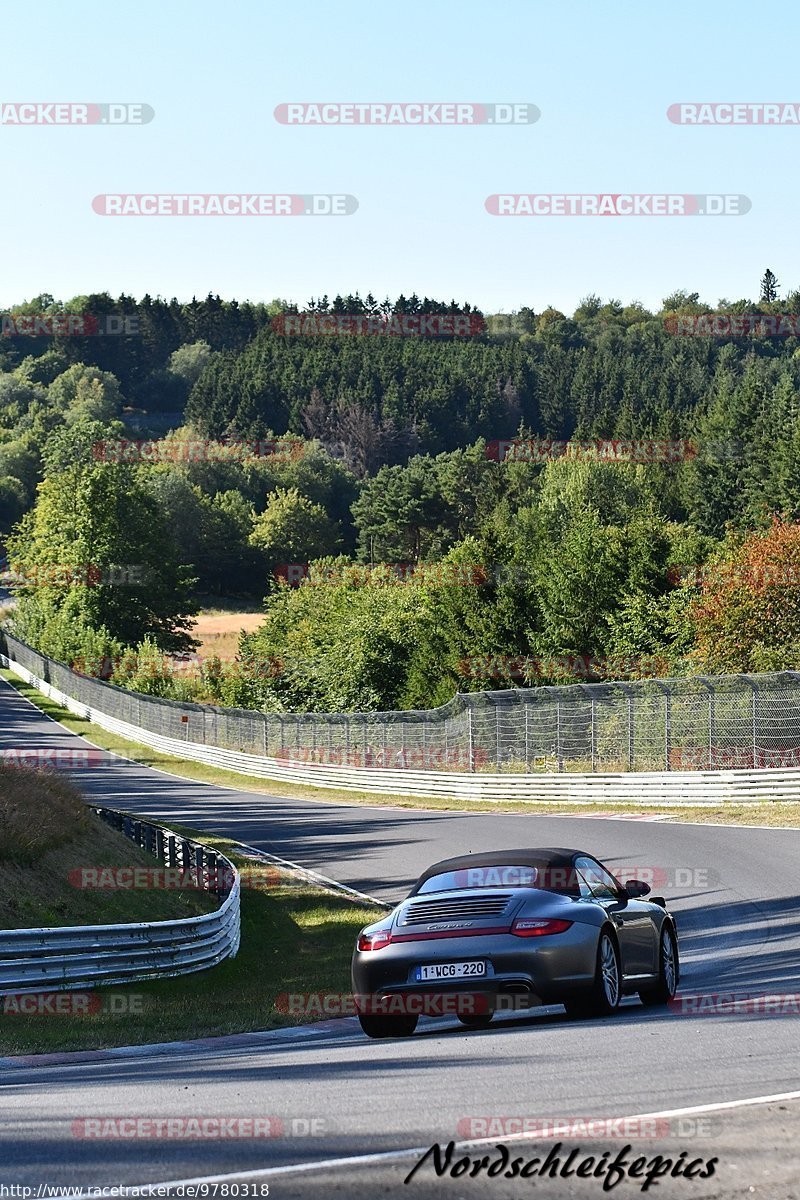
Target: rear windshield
548,878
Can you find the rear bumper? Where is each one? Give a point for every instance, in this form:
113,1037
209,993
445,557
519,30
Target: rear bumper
534,970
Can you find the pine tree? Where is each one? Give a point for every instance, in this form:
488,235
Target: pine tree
769,287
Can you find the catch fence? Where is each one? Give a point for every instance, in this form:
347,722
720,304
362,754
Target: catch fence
697,723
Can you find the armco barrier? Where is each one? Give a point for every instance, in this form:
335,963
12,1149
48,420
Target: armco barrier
64,958
655,788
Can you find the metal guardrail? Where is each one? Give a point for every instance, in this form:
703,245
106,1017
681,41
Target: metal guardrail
657,788
64,958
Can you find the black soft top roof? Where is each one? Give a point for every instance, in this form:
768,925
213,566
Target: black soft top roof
541,857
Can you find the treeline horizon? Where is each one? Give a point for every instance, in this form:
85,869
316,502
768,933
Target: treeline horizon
578,560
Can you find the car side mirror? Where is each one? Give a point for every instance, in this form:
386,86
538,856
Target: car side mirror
636,887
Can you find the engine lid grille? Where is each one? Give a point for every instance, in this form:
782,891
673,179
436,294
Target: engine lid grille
420,912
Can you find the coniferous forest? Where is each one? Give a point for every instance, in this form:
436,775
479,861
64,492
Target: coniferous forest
611,493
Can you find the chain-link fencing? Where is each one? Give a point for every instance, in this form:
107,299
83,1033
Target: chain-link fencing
693,723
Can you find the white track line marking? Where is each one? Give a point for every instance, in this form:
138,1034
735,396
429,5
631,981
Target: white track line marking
417,1151
312,876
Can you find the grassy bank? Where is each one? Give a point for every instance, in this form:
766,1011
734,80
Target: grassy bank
295,939
776,813
47,837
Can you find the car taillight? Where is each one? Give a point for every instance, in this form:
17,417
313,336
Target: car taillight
538,927
374,941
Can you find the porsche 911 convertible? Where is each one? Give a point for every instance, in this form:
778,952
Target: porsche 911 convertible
513,928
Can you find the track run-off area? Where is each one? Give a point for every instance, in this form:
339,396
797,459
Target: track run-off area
734,891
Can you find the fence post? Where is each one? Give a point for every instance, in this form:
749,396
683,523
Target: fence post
559,754
527,739
710,689
199,866
755,724
497,736
266,736
593,735
629,697
665,688
587,688
470,743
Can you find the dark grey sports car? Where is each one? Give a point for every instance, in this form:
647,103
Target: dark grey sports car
513,928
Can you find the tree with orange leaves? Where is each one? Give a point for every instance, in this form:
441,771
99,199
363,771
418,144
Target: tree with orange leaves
747,614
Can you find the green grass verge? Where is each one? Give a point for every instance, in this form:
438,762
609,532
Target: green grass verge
295,939
766,812
48,891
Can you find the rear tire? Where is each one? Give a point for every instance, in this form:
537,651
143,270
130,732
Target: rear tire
668,971
604,997
387,1027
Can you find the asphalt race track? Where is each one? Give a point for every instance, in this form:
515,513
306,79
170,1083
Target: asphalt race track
735,893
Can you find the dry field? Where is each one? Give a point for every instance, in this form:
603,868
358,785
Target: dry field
218,631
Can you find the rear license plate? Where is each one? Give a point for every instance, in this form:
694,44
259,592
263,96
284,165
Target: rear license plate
462,970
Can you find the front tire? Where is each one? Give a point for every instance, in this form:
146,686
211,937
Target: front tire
376,1026
604,997
668,971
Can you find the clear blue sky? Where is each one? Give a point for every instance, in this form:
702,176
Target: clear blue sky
602,75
